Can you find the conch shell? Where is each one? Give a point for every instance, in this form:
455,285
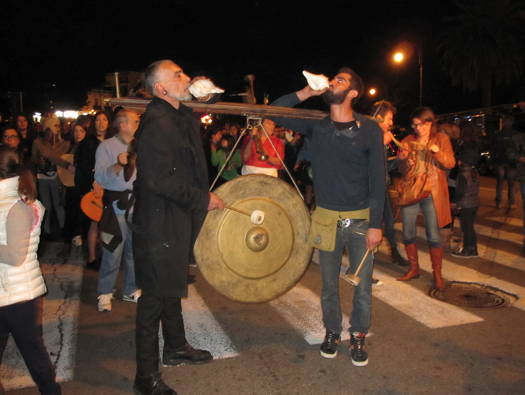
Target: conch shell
203,88
316,81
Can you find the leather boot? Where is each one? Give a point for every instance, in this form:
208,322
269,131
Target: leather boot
411,250
151,385
436,256
397,259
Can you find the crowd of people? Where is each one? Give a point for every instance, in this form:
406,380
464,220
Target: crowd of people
151,174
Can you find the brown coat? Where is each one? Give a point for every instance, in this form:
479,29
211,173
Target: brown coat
437,177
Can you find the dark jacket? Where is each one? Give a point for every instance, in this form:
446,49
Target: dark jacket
467,184
85,164
171,197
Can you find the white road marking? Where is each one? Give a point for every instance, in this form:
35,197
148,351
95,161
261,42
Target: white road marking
301,308
415,303
203,331
60,317
499,256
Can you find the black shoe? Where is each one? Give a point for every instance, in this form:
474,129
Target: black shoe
329,346
397,259
357,349
151,385
465,253
186,354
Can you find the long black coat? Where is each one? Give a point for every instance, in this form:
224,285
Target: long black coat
171,193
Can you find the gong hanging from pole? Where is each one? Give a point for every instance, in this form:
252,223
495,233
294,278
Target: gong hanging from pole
256,249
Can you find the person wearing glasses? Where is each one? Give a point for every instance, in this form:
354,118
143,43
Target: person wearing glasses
424,158
10,138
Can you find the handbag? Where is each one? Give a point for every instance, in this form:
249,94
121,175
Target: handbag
412,187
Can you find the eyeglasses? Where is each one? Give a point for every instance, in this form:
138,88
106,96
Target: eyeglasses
9,137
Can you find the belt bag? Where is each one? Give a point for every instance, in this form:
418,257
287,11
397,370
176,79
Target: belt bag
323,229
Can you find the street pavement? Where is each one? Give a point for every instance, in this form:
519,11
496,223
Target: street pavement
417,344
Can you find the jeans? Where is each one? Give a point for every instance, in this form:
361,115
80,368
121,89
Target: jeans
466,218
49,195
151,311
503,172
110,263
24,322
409,215
354,239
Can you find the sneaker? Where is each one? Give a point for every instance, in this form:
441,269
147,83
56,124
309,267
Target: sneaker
376,282
134,297
463,253
357,349
330,343
104,302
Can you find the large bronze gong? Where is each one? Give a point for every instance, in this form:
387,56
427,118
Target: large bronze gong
252,263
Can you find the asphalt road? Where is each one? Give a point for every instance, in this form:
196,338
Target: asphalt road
417,344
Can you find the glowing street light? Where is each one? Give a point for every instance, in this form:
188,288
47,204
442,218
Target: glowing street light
406,50
398,57
372,91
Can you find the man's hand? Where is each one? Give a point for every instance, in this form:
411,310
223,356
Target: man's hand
98,191
122,158
308,92
402,154
373,238
434,148
215,202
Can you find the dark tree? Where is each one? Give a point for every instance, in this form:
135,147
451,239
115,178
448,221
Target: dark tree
482,46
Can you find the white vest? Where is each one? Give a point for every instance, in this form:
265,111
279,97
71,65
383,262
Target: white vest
25,282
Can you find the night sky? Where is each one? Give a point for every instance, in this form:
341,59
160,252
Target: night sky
59,50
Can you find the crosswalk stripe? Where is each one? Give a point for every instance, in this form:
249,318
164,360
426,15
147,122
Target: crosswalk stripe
60,317
462,273
499,256
413,302
418,305
203,331
301,308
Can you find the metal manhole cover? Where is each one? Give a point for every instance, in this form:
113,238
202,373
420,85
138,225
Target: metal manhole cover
473,295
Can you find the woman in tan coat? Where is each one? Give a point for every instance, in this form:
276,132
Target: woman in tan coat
424,159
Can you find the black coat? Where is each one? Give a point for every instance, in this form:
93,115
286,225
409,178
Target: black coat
171,193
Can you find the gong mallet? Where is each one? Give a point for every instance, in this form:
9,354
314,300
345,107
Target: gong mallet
354,278
257,216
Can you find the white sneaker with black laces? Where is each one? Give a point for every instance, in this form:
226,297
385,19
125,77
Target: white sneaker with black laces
104,302
134,297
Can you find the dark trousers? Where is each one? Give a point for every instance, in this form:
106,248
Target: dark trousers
24,322
467,216
151,311
388,222
74,216
505,172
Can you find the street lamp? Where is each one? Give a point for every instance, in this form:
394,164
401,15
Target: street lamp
399,57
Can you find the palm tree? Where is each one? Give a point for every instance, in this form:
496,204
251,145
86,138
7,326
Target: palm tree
481,47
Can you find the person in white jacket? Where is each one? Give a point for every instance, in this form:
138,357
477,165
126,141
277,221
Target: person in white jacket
21,283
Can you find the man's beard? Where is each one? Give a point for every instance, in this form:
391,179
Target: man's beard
184,97
330,97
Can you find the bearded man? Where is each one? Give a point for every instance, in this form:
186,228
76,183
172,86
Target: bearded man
348,165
